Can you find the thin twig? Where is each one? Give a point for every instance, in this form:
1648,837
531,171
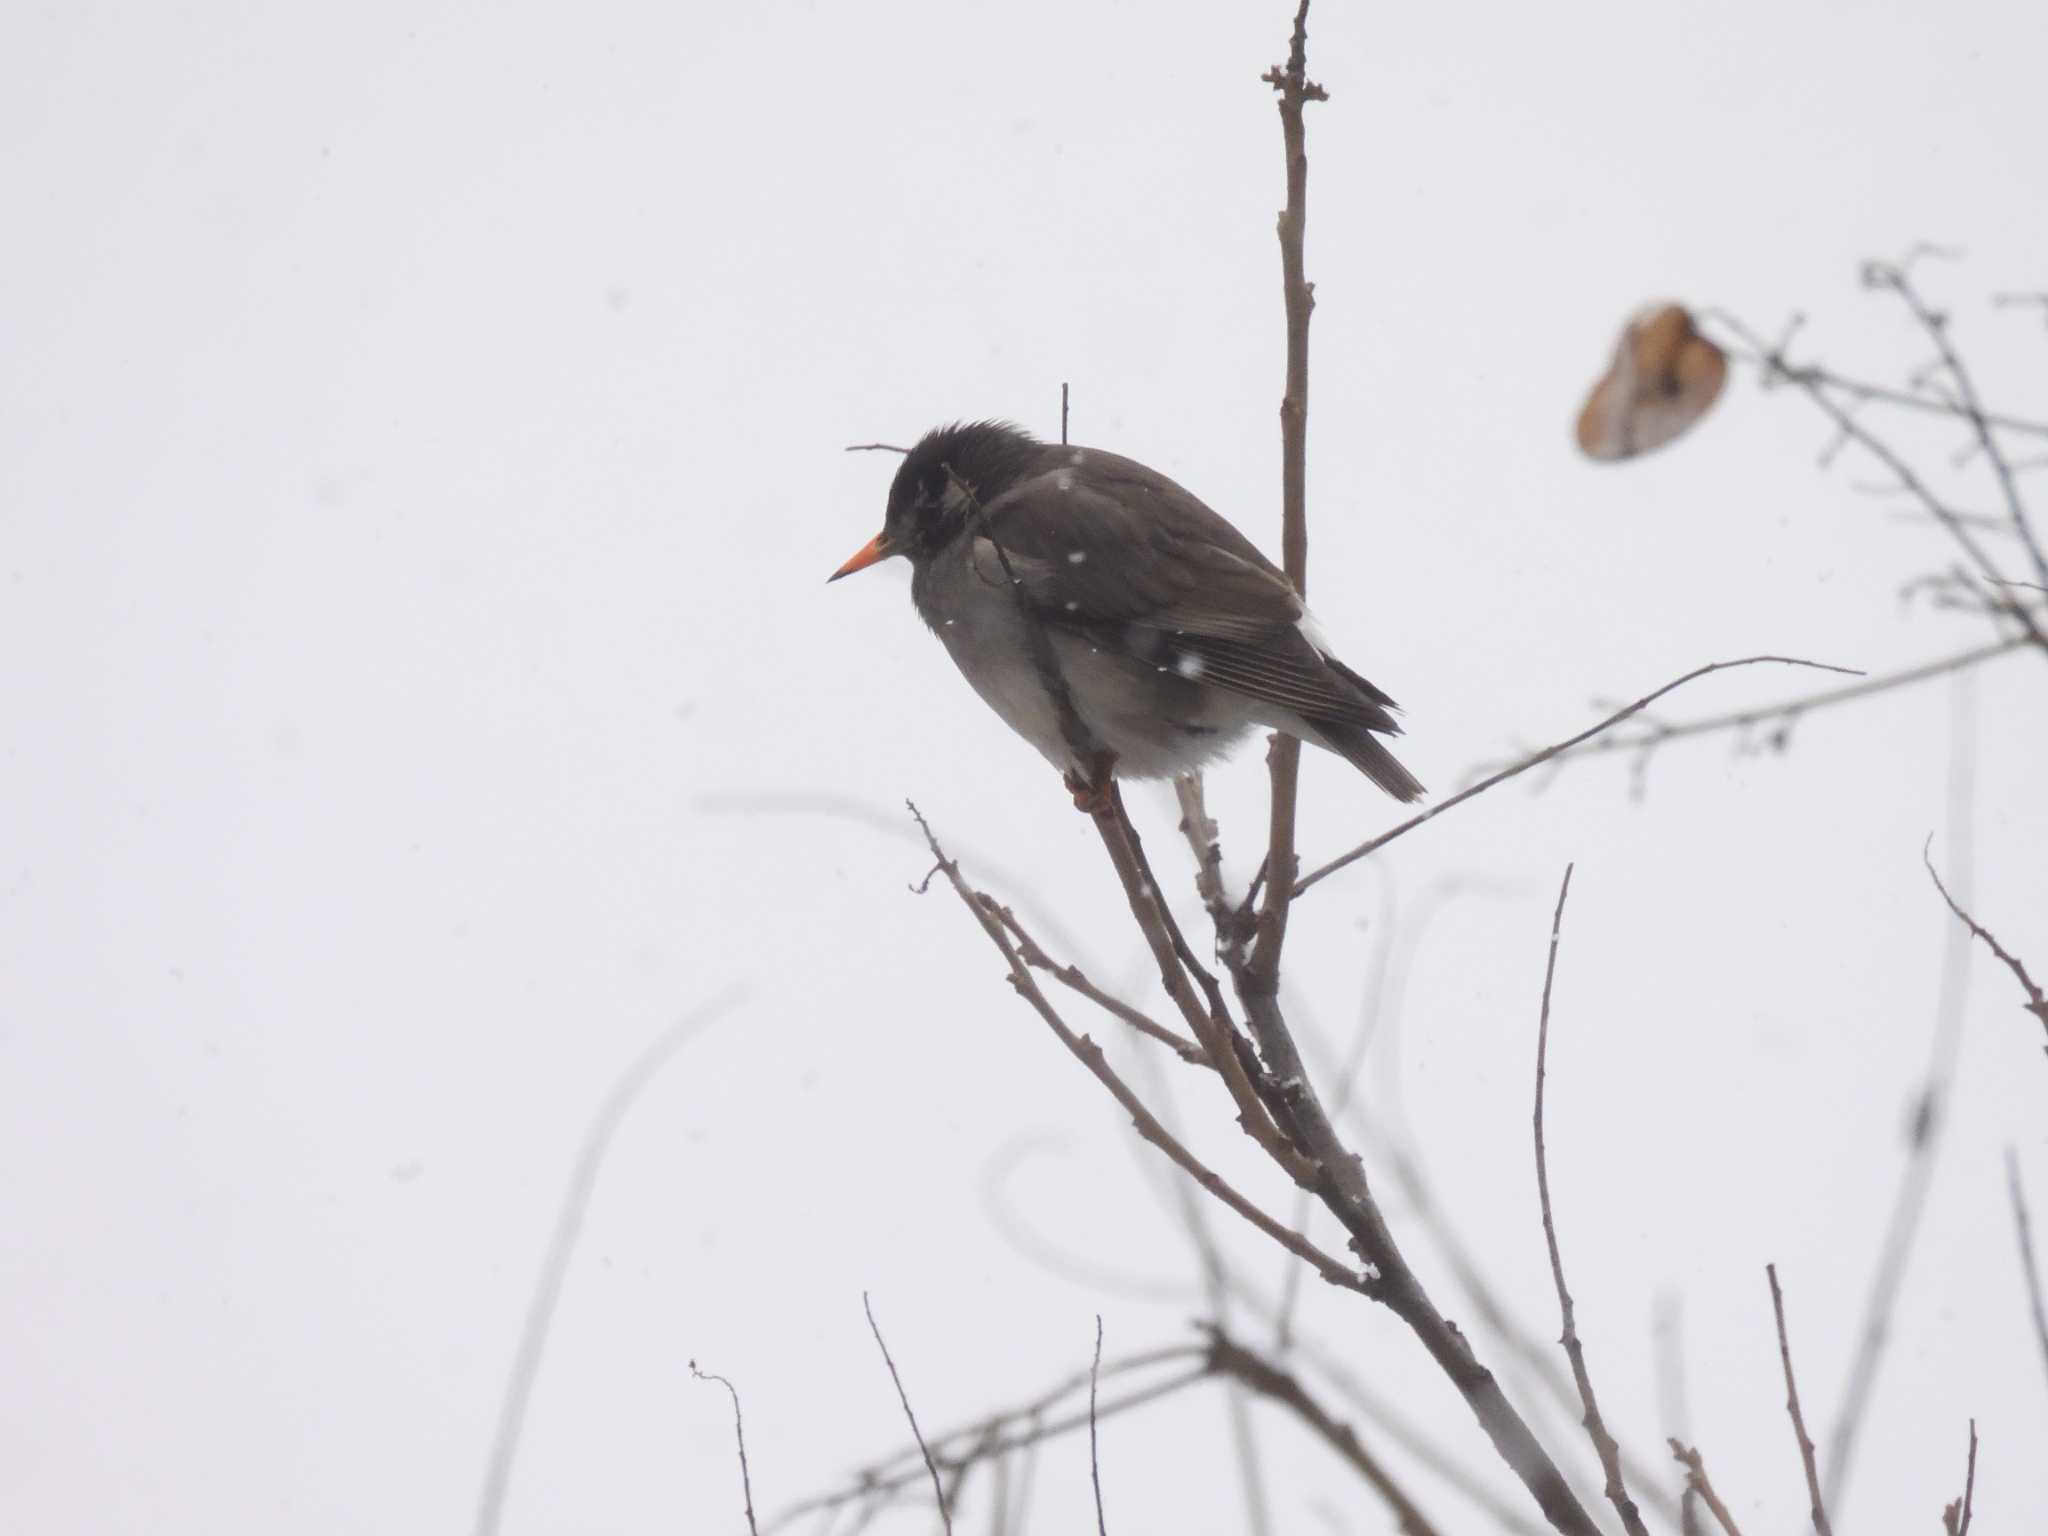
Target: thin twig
1516,769
1537,1357
739,1429
1972,409
1071,977
1346,1194
1390,1419
1271,1380
1339,1179
938,1490
1208,1022
1852,430
1657,734
1345,1090
547,1291
957,1443
1212,993
1955,1519
878,1485
1283,757
1696,1480
1819,1506
1205,843
1575,1351
2023,1226
1094,1449
2037,1002
1148,1125
1393,1420
1827,378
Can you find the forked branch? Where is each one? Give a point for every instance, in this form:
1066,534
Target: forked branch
1090,1055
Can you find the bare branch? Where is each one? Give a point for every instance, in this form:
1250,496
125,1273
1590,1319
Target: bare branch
938,1490
1210,1021
2024,1227
1928,1126
1283,756
1656,734
1393,1420
1205,843
547,1291
1270,1380
1342,1186
1575,1351
1851,430
1955,1519
739,1429
1071,977
1516,769
2037,1002
986,1434
1819,1509
1283,1084
1972,409
1535,1356
1859,390
1697,1483
1148,1125
992,1439
1094,1451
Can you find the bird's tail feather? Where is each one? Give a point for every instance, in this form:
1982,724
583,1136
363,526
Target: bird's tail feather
1364,751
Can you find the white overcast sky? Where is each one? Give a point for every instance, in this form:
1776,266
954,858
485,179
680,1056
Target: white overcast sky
420,458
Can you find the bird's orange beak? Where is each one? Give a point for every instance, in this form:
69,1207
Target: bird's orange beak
877,548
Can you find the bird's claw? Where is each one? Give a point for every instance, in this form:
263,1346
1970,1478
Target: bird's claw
1094,793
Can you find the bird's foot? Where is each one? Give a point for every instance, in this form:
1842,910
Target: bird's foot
1095,791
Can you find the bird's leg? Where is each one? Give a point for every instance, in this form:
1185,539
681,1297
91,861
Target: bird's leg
1094,791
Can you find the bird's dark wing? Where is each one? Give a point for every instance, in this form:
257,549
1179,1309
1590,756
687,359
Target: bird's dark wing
1104,547
1097,539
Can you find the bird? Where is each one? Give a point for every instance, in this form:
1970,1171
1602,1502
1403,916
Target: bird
1112,619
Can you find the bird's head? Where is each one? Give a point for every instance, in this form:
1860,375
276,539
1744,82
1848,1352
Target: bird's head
950,474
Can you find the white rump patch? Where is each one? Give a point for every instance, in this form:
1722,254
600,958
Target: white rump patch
1189,665
1064,479
1077,556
